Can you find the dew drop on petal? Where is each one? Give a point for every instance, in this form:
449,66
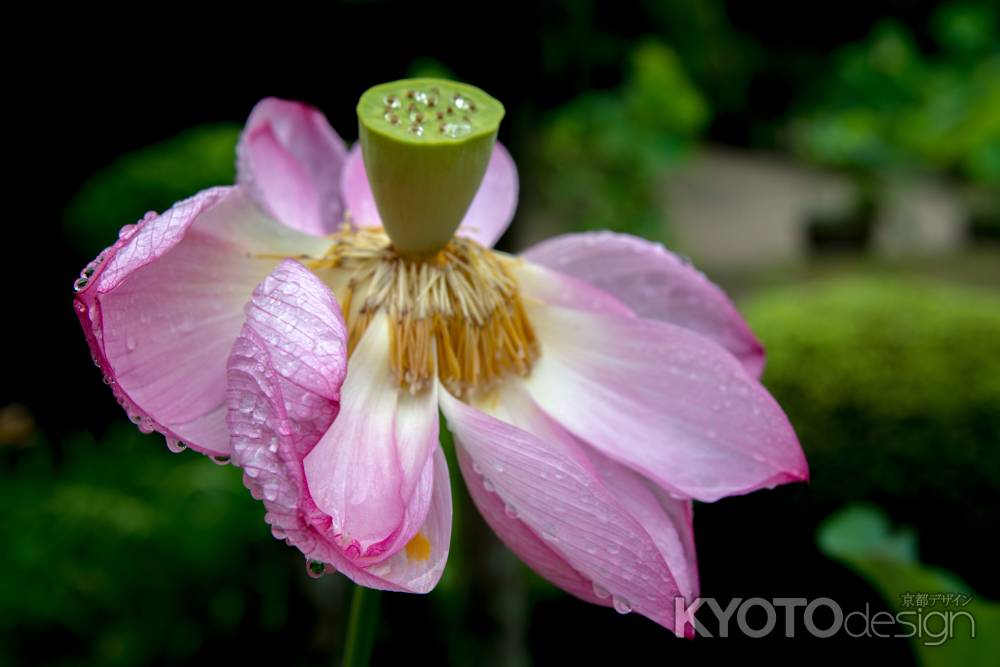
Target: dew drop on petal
146,425
488,486
511,511
622,606
175,445
601,592
315,568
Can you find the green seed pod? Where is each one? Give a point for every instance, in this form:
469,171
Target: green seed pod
426,144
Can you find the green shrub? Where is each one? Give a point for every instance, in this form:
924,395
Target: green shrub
119,553
600,155
893,387
885,103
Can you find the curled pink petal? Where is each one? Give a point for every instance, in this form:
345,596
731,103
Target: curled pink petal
663,400
165,303
548,481
372,471
291,160
488,216
285,378
655,284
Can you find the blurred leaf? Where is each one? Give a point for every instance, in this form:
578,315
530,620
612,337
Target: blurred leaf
150,178
966,27
861,538
600,155
887,105
430,68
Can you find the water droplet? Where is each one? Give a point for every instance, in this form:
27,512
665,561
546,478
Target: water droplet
315,569
498,466
80,284
175,445
488,486
622,606
130,343
220,460
511,511
601,592
549,532
455,129
476,469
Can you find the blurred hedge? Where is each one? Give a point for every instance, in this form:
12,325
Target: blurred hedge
119,553
894,389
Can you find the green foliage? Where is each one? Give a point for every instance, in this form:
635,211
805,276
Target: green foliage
861,538
721,61
127,554
887,104
153,177
601,153
894,390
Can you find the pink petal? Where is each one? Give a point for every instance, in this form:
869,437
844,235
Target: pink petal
284,382
667,402
488,216
291,160
165,304
656,284
372,471
581,519
522,540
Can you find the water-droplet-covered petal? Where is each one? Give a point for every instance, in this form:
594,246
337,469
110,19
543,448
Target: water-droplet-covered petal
587,524
669,403
655,283
488,216
162,307
291,160
285,379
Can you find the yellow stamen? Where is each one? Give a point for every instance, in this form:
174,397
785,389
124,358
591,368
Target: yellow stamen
456,313
419,548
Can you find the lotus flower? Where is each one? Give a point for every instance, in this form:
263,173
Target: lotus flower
595,384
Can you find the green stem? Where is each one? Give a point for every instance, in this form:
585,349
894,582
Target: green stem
361,627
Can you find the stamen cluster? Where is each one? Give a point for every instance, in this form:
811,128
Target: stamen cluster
456,313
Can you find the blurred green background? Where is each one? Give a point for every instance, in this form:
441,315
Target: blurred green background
836,169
